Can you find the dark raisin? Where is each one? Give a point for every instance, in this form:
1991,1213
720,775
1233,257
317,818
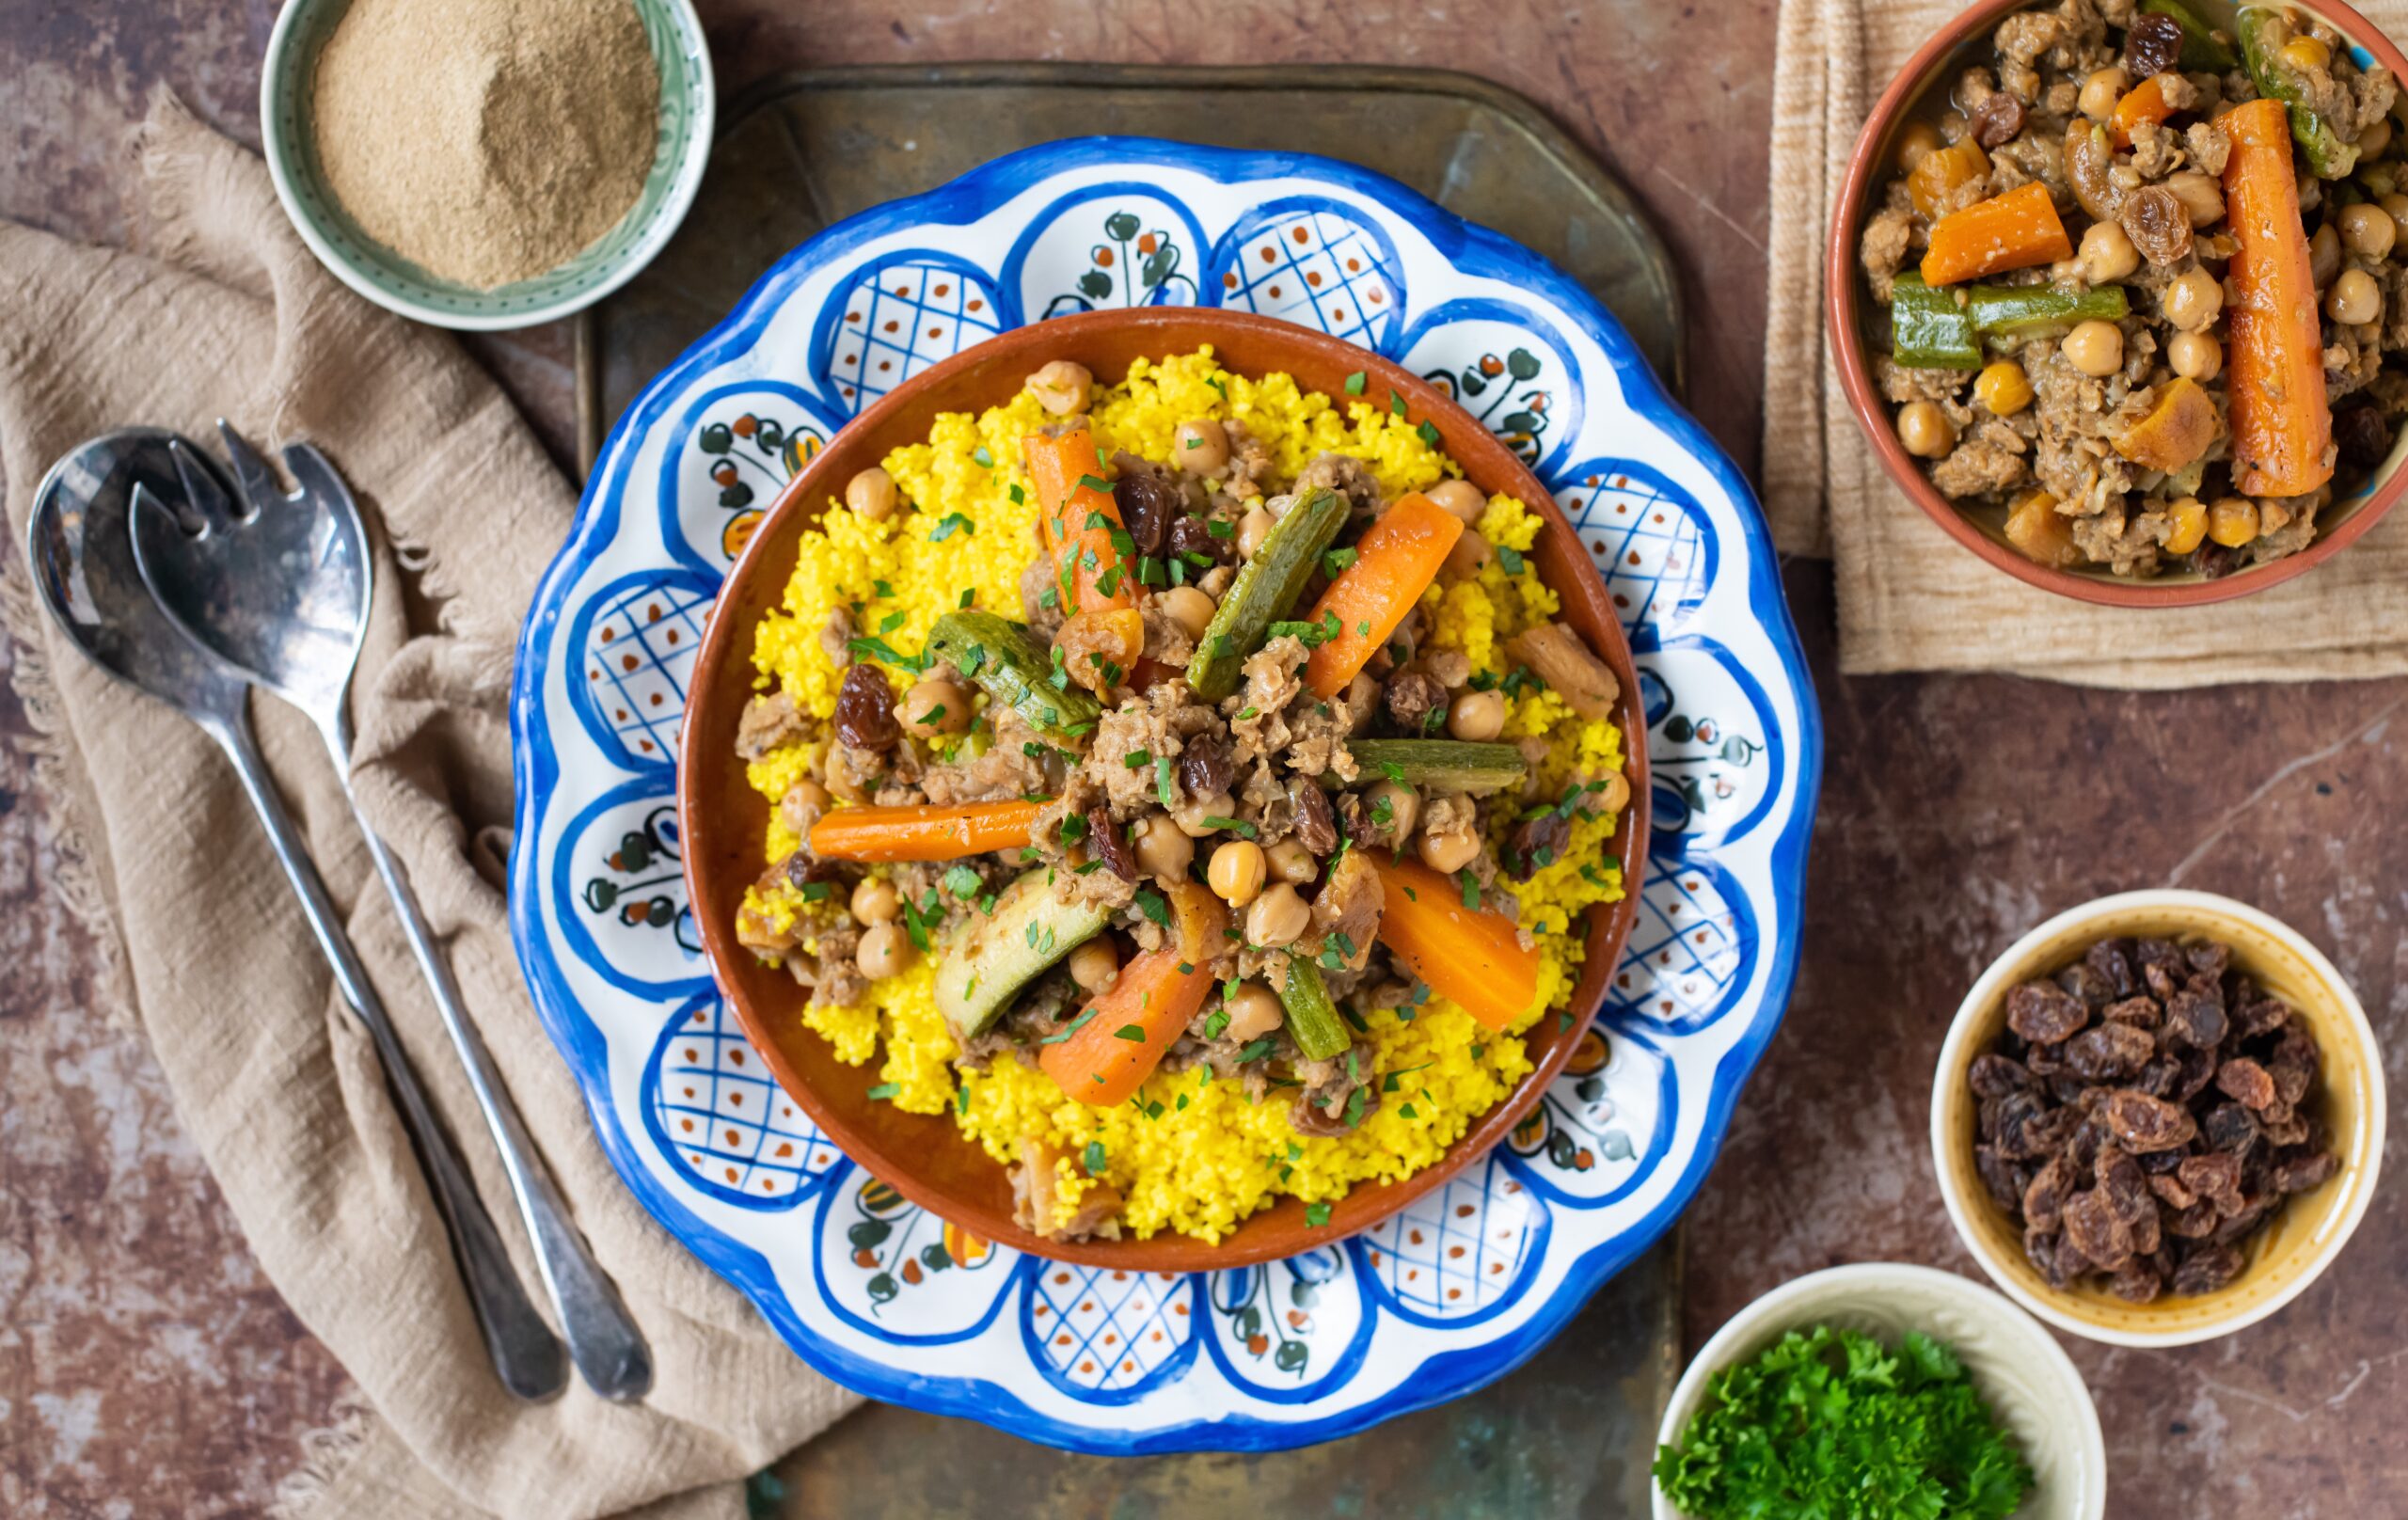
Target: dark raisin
2027,1129
2297,1173
1315,825
2139,1012
2206,1270
1410,697
2160,1077
2229,1127
2209,958
2161,1163
2120,1179
1189,535
2140,1122
2089,1133
2044,1013
2285,1127
803,868
2137,1282
2170,1188
2148,1230
1148,504
1109,846
2194,1019
2362,434
2109,1053
2195,1223
2257,1013
1536,842
2043,1249
2111,960
2157,223
1204,767
2216,1176
2240,1226
2211,561
1999,1176
2087,985
2245,1079
2044,1197
2197,1070
2091,1228
1996,120
1995,1076
866,710
2152,45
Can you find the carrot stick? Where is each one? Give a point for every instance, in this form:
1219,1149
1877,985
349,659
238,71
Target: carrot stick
2142,103
922,833
1070,497
1124,1034
2282,423
2010,232
1395,560
1466,953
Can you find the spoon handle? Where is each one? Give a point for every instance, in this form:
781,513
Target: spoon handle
610,1351
524,1350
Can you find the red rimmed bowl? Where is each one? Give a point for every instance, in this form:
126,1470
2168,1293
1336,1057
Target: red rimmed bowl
1849,311
722,818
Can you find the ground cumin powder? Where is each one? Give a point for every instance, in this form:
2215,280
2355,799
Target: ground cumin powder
486,141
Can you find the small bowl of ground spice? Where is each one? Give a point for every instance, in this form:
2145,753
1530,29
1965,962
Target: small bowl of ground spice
479,165
2158,1117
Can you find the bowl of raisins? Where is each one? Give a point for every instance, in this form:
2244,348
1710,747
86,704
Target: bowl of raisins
2158,1117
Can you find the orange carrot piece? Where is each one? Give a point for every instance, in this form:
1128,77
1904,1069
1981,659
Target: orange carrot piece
1467,953
2282,422
922,833
2015,230
2144,103
1070,494
1133,1025
1395,560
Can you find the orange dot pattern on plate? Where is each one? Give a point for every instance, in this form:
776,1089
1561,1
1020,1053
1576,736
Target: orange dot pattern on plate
1453,1252
1685,951
1319,269
638,660
1645,535
1109,1329
723,1120
898,318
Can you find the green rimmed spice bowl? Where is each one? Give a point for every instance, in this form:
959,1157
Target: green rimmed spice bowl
681,147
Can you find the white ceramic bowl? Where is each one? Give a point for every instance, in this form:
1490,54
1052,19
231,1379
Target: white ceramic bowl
2021,1373
2303,1236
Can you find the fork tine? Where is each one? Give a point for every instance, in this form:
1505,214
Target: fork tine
315,475
205,505
251,474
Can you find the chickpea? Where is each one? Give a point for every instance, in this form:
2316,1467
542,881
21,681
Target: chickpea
2101,91
2004,387
1237,871
2190,525
1919,138
1254,1011
1277,916
1190,818
1252,529
876,901
1190,608
1162,847
2200,195
1216,582
2324,256
1201,446
2095,348
2196,357
1615,795
871,494
883,951
1291,863
1095,965
806,793
2107,254
2306,54
2397,206
935,705
1924,429
1449,852
2368,230
1462,498
1477,716
2355,299
1061,387
2372,139
2233,521
2190,301
1404,808
1470,556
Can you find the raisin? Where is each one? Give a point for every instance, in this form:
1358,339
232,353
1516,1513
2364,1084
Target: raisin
2288,1129
2195,1223
2028,1130
2044,1250
2195,1019
1190,535
2244,1223
2140,1122
2161,1163
1204,767
2160,1077
2044,1197
2152,45
2111,959
2298,1173
2091,1228
1996,120
1147,504
2125,1190
2139,1012
2362,434
1109,846
1315,824
2216,1176
866,710
2082,1147
2044,1013
2109,1053
1999,1176
2208,959
803,868
2256,1013
1995,1076
2136,1282
1536,842
2170,1190
2164,958
2245,1079
2148,1232
1410,698
2087,985
2205,1271
2229,1127
2197,1070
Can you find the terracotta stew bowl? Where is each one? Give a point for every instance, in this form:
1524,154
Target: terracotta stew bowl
723,818
1918,91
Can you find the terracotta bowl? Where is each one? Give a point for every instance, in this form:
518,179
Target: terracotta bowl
926,1157
1853,318
2306,1234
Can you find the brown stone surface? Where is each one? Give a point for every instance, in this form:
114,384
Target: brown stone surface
145,1368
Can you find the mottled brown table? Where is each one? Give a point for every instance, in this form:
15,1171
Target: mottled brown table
146,1369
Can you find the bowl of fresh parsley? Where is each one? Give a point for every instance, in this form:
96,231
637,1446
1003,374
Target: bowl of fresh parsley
1879,1391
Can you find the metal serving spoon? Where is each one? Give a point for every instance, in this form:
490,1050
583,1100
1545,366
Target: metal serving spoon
278,587
82,556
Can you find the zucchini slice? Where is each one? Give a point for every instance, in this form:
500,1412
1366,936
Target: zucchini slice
1264,592
1445,765
1013,669
992,957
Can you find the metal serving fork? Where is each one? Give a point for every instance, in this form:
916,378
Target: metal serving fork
279,587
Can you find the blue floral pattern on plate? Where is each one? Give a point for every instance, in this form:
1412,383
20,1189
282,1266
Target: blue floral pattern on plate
1473,1277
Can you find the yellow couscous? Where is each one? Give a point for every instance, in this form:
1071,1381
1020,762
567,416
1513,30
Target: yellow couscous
1199,1148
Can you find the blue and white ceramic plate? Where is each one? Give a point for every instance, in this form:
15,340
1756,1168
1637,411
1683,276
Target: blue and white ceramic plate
1473,1277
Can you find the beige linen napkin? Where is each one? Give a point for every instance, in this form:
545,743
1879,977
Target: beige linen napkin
272,1077
1910,597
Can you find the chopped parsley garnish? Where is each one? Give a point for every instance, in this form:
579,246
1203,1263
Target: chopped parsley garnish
1335,560
1095,1158
950,524
815,891
985,460
1256,1051
1150,903
963,882
967,594
1396,403
1355,383
1165,788
1470,884
1017,494
1074,828
1096,482
1429,432
1214,1023
961,1100
884,1091
1317,1214
882,588
1071,1028
885,654
1130,1032
934,716
1236,826
1221,527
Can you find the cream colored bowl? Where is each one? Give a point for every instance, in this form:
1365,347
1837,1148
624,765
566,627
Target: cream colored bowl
2023,1375
2305,1236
